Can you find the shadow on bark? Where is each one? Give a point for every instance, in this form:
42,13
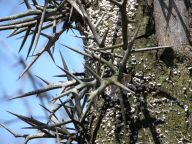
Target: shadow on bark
175,14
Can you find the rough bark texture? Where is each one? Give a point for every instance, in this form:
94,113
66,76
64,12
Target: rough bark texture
127,96
159,112
172,23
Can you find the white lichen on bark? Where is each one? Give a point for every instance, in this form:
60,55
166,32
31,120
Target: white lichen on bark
106,17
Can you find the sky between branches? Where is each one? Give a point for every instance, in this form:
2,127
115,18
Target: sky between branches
10,71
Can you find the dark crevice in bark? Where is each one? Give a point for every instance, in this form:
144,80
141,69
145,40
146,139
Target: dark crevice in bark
151,123
130,121
102,113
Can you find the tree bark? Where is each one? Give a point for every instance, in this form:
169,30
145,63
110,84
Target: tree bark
172,23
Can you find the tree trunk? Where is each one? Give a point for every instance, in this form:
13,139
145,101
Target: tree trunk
172,23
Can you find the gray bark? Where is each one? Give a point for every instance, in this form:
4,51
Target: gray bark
172,23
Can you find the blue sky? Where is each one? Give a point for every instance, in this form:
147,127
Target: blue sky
44,67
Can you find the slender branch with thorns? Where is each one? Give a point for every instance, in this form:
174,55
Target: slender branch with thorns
79,94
